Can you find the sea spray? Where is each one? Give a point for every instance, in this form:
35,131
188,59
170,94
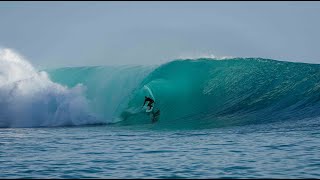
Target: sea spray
28,98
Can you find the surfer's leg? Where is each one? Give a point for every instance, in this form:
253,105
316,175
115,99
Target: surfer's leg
157,113
154,118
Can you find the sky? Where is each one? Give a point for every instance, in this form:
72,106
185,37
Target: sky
61,34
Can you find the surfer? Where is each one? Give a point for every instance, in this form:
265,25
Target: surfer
156,114
151,101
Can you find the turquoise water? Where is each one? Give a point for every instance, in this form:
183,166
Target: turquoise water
202,93
232,118
275,150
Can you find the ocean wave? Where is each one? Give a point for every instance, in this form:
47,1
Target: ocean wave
190,93
206,93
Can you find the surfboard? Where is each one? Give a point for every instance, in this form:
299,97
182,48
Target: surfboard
155,115
149,110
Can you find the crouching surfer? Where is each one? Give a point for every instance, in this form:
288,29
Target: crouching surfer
151,101
150,105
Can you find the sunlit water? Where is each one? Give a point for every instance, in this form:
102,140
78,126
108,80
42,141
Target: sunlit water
278,150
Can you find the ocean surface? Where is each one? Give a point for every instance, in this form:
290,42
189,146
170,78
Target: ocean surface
219,118
276,150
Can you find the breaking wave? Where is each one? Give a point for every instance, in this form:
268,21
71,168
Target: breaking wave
190,93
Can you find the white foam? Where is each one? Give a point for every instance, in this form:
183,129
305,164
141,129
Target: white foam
28,98
203,55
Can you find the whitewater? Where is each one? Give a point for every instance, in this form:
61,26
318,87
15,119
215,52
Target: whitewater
220,118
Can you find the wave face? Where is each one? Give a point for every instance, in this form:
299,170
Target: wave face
191,94
206,93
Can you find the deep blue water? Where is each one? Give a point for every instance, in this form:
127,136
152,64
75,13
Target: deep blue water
273,150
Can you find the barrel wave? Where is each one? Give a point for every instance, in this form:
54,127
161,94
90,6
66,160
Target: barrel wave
206,93
107,87
201,93
190,93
